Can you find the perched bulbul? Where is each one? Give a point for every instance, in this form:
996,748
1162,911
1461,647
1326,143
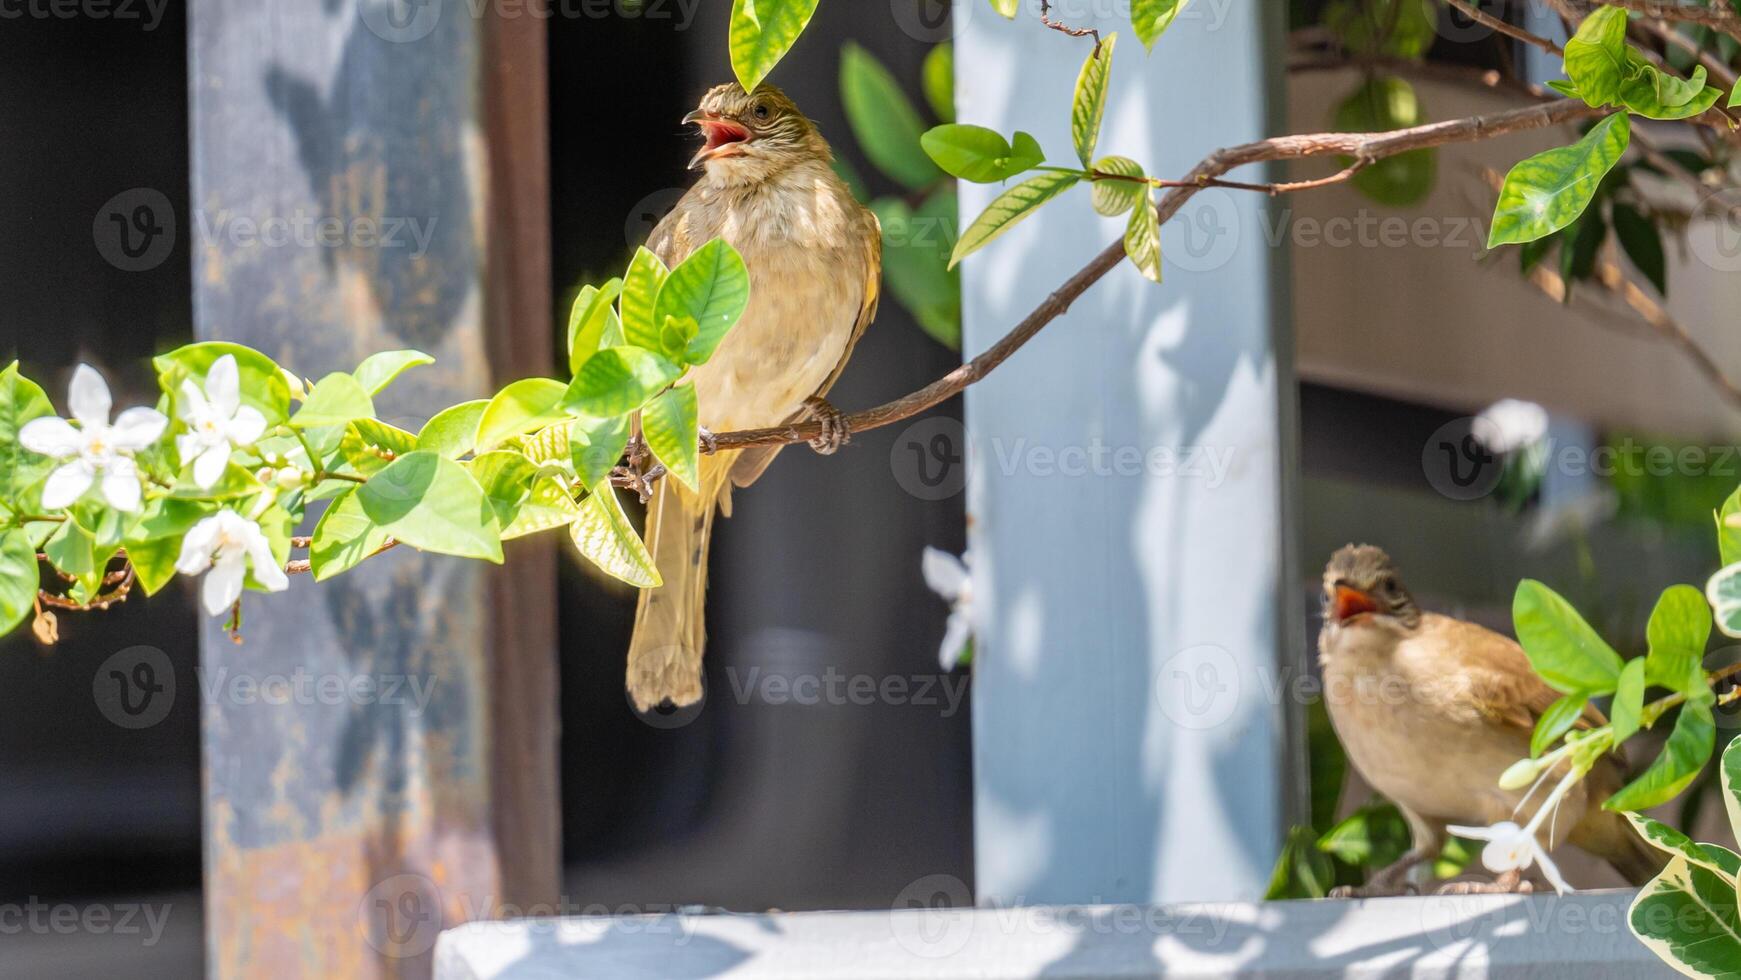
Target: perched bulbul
815,261
1432,710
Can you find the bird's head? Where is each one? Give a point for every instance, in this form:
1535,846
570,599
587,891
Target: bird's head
1362,588
753,136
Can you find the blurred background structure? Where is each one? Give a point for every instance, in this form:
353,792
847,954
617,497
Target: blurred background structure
1382,352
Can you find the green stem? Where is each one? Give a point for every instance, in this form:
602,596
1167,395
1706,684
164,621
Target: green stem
1655,709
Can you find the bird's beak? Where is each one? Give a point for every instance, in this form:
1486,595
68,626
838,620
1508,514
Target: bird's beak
1349,602
724,137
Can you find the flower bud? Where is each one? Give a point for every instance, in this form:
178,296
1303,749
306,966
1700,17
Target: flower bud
1521,774
289,478
298,390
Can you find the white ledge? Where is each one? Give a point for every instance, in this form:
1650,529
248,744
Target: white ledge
1503,937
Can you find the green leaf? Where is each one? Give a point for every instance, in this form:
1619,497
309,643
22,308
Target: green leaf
1151,18
1679,629
1628,702
380,370
641,286
154,543
1006,7
1730,774
1557,720
1565,88
1089,107
1724,593
618,380
335,400
1371,836
670,426
74,551
761,33
981,155
1689,747
431,503
1729,529
1380,104
883,119
20,401
1302,871
1652,92
343,537
1580,246
589,319
1596,56
1671,841
548,506
1113,197
1562,648
937,76
263,383
916,267
522,407
453,432
603,534
1550,190
369,445
1383,28
710,287
1142,240
506,478
1642,243
1010,209
19,579
595,449
1687,916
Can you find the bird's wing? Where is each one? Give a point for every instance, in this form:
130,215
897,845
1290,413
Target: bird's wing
1495,675
674,237
754,462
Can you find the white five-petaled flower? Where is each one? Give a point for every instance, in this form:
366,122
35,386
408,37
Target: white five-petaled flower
217,422
947,576
93,449
1513,848
227,543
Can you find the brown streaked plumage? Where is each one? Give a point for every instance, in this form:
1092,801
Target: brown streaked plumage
1432,710
815,261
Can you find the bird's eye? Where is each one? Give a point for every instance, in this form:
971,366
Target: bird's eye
761,111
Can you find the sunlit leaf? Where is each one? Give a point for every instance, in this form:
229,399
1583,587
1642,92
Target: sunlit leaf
761,33
1010,209
669,425
604,535
380,370
1089,106
1550,190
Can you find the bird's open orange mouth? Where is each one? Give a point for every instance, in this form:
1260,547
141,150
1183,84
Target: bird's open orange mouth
724,139
1350,602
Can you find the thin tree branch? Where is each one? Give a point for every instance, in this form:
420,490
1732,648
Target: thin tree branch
1046,19
1719,17
1361,146
1491,22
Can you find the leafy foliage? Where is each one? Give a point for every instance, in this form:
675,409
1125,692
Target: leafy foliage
534,457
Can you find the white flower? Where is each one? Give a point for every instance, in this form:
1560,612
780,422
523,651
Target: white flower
947,576
217,422
94,448
227,543
1513,848
1510,424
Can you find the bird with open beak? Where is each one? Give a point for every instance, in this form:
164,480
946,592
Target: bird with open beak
1433,711
814,256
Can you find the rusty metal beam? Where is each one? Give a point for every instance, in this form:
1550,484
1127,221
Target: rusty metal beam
368,175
